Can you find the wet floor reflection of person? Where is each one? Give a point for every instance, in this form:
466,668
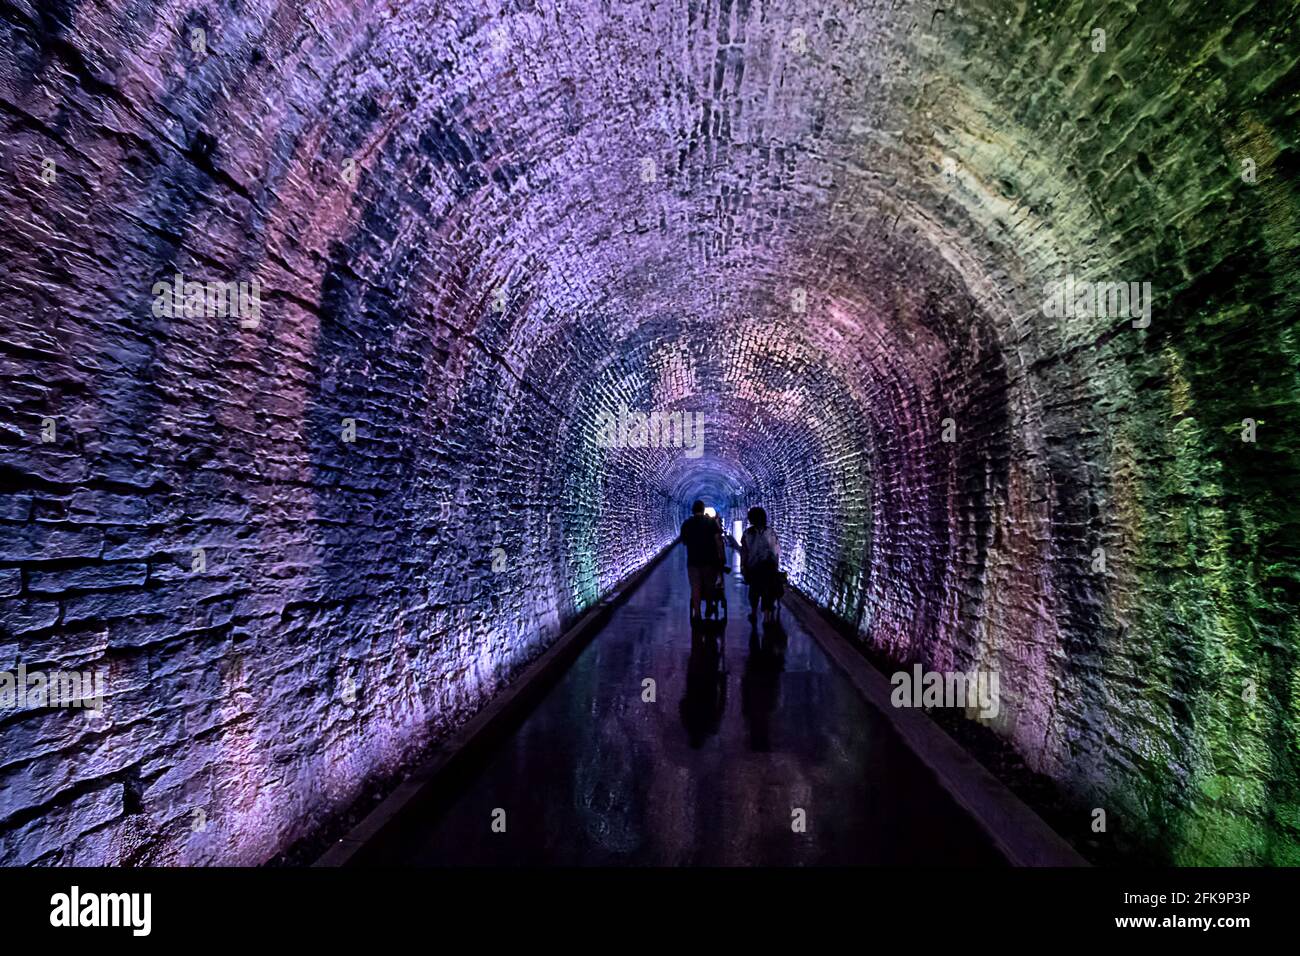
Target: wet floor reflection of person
760,684
706,682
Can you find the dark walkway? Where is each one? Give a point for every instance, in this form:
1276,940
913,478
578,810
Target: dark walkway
711,773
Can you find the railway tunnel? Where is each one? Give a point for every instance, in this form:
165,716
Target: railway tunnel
354,351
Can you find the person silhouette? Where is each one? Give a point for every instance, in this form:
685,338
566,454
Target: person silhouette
705,554
760,563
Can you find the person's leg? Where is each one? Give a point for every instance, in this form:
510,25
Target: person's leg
769,582
696,576
707,592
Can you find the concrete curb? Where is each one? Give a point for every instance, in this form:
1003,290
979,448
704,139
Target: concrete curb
485,727
1019,833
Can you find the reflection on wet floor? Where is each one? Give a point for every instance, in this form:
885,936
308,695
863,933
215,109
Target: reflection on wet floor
715,745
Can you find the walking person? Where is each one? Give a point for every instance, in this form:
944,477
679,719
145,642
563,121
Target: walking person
705,554
760,563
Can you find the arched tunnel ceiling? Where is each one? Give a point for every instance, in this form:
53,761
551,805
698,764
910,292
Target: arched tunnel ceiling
731,202
720,182
481,228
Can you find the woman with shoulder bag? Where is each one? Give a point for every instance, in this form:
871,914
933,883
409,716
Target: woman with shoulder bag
760,562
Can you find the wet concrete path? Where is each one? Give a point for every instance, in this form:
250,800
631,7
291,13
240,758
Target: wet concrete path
745,735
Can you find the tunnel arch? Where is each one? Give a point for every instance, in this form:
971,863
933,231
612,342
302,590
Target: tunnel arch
827,228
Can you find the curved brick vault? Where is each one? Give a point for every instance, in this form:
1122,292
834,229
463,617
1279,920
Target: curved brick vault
477,226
